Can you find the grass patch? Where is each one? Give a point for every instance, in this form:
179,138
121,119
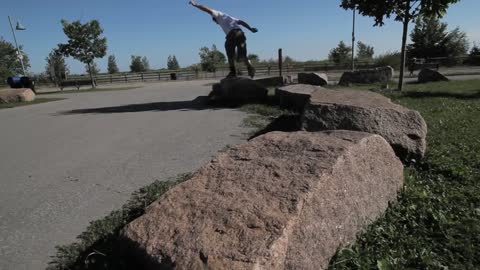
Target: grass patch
96,247
436,222
20,104
261,115
90,90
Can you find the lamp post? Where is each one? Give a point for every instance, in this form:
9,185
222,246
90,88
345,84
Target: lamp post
19,27
353,40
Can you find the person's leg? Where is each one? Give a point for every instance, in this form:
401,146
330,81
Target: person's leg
230,49
242,53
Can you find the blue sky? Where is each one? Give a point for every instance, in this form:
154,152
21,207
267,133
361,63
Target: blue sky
305,29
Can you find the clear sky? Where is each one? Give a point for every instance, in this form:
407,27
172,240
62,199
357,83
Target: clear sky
305,29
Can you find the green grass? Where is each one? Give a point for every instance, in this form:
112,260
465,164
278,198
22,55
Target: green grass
260,115
90,90
436,222
101,235
20,104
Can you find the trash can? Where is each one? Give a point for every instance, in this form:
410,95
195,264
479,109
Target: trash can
21,82
173,76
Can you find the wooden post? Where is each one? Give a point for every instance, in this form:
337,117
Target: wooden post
125,75
111,79
406,20
280,60
353,40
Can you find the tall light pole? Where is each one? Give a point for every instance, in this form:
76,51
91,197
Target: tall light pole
19,54
353,40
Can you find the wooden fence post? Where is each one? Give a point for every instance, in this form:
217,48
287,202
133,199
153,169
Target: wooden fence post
126,80
280,60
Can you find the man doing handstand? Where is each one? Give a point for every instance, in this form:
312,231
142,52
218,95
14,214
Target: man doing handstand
235,37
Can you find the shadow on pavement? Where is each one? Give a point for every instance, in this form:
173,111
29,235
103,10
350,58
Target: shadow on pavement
199,103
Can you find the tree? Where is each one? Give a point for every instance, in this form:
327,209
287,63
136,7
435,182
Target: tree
145,63
341,54
56,67
172,63
474,55
287,60
388,59
137,65
92,68
456,45
365,52
404,11
210,59
253,58
475,51
431,39
112,65
9,61
84,42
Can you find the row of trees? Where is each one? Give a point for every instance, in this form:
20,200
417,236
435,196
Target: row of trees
430,39
86,43
342,54
404,11
57,69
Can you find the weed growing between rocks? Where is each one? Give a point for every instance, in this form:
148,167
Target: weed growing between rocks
436,222
261,116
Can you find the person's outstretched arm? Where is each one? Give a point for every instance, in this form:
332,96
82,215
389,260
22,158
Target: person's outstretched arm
244,24
201,7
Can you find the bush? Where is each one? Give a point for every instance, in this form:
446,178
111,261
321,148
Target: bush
392,59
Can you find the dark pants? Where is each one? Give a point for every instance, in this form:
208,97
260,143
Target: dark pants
236,41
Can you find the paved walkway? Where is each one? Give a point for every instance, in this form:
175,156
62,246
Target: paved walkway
68,162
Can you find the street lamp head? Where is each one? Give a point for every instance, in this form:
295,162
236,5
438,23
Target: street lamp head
20,27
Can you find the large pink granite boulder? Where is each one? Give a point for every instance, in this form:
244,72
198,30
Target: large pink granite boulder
280,201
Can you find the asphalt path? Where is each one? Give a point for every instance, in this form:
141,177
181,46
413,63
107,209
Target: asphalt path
66,163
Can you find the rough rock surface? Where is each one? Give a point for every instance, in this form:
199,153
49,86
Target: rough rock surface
239,89
370,112
17,95
281,201
375,75
272,81
320,79
295,96
428,75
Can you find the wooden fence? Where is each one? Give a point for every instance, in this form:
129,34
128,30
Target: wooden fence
261,71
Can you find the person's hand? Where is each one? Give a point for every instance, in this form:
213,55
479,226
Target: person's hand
254,30
193,3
